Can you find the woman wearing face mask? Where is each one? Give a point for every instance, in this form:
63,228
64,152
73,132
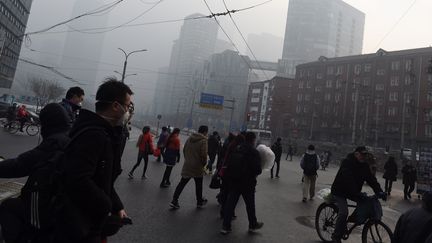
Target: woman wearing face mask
145,145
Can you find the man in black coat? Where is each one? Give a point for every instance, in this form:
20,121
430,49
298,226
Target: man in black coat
241,180
92,164
277,150
353,173
213,149
14,217
72,102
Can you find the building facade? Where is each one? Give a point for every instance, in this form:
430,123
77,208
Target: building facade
380,99
316,28
268,106
13,21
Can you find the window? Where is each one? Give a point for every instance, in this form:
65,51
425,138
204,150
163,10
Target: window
326,109
253,109
319,75
318,89
408,65
256,91
339,70
327,96
429,96
338,84
392,111
329,84
394,81
380,72
298,109
329,70
299,97
301,83
408,80
353,96
395,65
367,68
324,124
337,97
255,100
357,69
308,84
366,81
379,87
428,131
393,96
307,97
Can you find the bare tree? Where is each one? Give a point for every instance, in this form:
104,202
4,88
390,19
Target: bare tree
46,90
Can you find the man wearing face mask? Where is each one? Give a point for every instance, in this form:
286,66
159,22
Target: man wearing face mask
353,173
72,102
92,164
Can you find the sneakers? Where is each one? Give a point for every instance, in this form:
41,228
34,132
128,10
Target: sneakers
225,230
163,185
174,204
202,203
143,177
130,175
304,199
256,227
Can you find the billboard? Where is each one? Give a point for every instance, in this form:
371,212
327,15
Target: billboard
211,101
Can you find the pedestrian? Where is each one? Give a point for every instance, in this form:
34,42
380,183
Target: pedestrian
390,174
195,153
145,148
290,152
17,223
415,225
11,115
162,141
171,156
91,166
72,102
213,149
242,168
409,179
277,150
310,163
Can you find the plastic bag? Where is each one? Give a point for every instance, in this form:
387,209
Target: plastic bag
324,194
157,152
267,157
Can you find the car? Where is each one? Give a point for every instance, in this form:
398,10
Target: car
3,109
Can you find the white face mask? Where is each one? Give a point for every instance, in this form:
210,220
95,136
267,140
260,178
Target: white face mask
124,120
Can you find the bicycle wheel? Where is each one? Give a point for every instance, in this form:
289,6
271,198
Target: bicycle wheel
14,127
325,221
32,129
376,232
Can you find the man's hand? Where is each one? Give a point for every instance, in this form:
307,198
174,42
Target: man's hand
382,195
122,214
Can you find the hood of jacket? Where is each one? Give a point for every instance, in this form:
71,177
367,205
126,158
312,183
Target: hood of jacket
90,119
311,152
197,137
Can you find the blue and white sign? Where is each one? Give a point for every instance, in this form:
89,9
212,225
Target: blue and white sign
211,101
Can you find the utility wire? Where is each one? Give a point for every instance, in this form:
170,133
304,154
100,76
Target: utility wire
397,23
244,39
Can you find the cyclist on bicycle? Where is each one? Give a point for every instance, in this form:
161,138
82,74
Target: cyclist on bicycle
352,174
22,116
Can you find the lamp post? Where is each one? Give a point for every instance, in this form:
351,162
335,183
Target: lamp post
126,57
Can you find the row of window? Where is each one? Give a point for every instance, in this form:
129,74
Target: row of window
393,97
5,12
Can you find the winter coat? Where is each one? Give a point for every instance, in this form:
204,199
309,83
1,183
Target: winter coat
195,153
290,150
91,165
163,138
213,145
277,150
409,173
145,143
71,110
411,224
172,151
350,178
391,170
312,158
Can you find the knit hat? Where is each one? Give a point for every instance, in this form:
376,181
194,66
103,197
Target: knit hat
53,119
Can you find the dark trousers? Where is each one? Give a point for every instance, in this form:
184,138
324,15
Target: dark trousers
388,185
248,194
141,155
341,221
167,174
277,163
182,184
12,219
289,154
408,189
212,158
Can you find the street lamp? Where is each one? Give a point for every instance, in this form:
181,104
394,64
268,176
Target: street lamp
127,75
126,57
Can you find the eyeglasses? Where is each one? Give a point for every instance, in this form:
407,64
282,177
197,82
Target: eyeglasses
130,107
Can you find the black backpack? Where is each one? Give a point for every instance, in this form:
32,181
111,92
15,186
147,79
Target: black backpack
235,164
310,166
40,192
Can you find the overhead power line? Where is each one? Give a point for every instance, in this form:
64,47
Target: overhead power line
244,39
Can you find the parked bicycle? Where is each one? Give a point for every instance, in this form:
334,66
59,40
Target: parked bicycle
374,230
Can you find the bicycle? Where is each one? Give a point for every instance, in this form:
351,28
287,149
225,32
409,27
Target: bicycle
31,127
374,230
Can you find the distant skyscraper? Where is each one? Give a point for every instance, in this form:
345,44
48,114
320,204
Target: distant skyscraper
315,28
266,47
79,48
195,45
13,22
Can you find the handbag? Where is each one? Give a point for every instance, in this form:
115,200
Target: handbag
215,182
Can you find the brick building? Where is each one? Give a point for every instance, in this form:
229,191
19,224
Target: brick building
268,106
379,99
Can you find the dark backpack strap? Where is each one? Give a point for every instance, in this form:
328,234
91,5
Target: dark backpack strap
425,232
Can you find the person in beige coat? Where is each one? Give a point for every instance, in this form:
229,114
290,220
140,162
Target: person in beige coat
195,154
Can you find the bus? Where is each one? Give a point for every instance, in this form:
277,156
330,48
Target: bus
263,136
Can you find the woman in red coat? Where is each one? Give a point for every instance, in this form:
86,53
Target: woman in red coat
171,156
145,145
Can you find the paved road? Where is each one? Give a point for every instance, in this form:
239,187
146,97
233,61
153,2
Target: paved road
279,206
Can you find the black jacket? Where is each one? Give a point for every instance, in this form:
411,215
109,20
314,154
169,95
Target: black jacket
409,173
251,167
277,150
92,164
213,145
350,178
24,164
391,170
71,110
411,225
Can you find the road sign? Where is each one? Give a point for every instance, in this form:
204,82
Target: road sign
211,101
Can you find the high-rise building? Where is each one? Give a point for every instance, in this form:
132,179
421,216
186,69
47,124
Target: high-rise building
195,45
260,44
82,51
13,22
315,28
